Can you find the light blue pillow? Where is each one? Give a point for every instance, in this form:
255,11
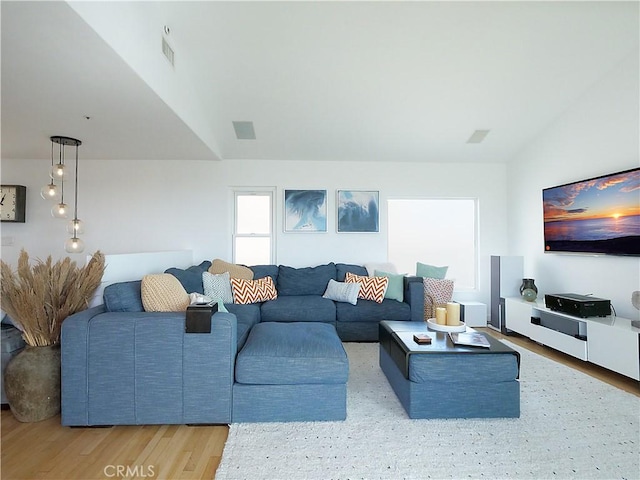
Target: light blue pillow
342,292
217,285
395,288
221,307
429,271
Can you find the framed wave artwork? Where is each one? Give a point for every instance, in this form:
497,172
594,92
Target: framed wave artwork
305,211
358,211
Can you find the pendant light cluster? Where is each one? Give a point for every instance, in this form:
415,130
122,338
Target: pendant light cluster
58,175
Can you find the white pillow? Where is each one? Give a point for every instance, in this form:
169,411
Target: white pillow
217,286
342,292
386,267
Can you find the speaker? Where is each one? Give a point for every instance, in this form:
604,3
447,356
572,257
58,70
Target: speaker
506,278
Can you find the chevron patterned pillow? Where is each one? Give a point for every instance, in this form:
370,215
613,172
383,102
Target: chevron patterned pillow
253,291
371,288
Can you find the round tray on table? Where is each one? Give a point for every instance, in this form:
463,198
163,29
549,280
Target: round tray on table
431,323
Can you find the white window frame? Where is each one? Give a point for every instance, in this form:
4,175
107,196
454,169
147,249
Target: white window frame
262,191
476,232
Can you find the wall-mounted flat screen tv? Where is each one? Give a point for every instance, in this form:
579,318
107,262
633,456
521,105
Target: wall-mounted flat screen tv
599,215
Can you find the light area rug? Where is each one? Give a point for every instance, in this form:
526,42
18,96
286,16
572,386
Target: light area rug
571,426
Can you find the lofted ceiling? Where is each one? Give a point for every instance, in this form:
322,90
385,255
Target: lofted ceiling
334,80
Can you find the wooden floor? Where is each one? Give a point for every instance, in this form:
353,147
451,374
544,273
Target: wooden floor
46,450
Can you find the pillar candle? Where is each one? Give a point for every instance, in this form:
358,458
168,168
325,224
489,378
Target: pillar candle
441,316
453,314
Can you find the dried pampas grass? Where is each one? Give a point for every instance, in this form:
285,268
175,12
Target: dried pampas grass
41,296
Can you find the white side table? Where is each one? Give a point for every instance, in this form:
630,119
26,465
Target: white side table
473,314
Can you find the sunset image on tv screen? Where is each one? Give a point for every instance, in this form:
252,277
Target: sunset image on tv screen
599,215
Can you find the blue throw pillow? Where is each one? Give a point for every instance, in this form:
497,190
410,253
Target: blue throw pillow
305,281
261,271
191,278
343,268
123,297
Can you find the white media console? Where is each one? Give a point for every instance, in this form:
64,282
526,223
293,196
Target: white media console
611,342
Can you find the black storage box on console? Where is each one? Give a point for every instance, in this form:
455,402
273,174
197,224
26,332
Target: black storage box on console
198,319
578,305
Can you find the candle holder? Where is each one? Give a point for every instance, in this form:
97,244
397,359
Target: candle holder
430,307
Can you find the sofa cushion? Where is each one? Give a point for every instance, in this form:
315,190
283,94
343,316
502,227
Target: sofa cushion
190,278
163,292
370,311
395,290
217,286
305,281
371,288
342,292
292,353
247,316
261,271
253,291
123,297
299,308
235,271
343,268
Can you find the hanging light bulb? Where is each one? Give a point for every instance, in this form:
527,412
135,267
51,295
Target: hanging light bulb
74,245
60,210
58,171
49,192
75,227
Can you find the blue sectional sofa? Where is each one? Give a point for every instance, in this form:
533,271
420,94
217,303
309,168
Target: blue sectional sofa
124,366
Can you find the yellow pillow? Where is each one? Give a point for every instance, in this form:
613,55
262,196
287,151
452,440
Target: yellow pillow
371,288
163,292
235,271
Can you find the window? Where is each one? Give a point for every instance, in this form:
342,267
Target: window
253,241
436,232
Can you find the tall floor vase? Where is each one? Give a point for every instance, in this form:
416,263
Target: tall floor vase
32,383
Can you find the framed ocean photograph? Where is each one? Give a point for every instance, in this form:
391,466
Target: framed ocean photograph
305,211
358,211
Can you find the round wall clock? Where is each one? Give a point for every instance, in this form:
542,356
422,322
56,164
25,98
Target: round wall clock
13,199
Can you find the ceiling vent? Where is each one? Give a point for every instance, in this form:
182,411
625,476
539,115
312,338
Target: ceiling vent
244,130
167,51
478,136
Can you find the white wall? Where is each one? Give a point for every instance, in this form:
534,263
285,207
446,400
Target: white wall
599,134
160,205
133,31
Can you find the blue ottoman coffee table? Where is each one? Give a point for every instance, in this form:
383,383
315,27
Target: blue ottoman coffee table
291,372
446,381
